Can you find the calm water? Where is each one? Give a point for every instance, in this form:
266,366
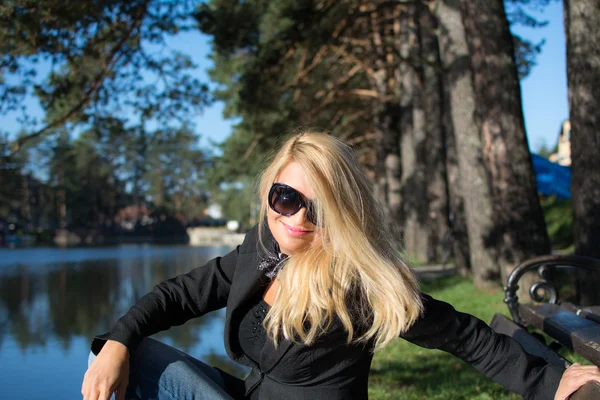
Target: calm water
53,301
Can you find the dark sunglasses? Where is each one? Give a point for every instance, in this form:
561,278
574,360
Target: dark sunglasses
286,200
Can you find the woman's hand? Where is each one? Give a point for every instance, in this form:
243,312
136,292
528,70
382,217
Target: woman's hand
108,373
575,377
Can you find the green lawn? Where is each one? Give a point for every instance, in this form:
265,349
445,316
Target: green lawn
406,371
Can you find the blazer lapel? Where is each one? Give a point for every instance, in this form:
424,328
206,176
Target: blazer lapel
248,278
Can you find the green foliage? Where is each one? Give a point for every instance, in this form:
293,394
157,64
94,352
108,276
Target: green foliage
559,221
545,152
103,59
311,63
526,52
107,168
238,202
166,225
286,67
81,180
174,172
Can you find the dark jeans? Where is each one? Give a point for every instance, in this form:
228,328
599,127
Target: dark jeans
159,371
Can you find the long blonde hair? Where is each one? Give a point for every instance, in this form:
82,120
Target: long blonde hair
355,272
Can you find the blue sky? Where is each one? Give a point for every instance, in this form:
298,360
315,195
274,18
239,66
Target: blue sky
544,91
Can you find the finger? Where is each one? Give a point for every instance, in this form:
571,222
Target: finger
576,381
86,388
104,395
92,395
584,369
575,377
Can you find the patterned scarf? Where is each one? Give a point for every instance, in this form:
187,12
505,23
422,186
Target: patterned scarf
272,263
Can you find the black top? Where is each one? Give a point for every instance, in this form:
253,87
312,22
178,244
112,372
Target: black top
330,369
251,334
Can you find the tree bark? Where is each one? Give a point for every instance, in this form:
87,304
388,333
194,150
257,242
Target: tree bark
582,28
474,180
26,202
61,194
433,151
456,242
386,114
415,212
519,230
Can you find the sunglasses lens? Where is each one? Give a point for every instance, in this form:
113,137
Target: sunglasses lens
285,200
288,201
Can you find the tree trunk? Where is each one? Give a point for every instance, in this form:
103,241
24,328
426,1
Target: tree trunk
474,180
519,230
379,183
456,242
386,114
61,195
415,213
388,168
26,202
582,26
433,151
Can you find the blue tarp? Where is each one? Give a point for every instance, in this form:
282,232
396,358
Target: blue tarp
552,178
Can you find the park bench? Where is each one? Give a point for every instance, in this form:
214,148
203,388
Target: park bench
566,324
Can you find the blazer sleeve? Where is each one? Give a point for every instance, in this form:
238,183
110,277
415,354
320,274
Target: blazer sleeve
176,300
499,357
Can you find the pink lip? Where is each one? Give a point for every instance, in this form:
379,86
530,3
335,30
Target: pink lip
296,231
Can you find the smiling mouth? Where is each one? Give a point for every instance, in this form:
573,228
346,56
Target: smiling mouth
296,230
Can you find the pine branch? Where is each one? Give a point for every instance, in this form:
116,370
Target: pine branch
112,59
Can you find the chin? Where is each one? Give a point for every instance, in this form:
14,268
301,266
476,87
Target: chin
292,246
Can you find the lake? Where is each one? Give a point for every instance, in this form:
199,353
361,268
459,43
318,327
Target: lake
53,301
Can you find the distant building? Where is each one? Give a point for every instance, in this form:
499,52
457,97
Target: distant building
563,153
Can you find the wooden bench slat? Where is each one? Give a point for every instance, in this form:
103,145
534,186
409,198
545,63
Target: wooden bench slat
591,313
589,391
579,334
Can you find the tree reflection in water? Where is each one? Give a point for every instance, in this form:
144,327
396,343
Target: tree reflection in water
49,303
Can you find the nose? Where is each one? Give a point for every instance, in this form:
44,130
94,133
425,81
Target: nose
299,218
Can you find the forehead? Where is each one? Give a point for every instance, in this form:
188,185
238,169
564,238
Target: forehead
293,175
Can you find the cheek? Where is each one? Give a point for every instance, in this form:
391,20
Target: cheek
272,218
274,225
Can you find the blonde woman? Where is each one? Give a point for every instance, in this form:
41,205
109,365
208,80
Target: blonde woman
310,295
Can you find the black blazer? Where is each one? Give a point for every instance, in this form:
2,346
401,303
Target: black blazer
330,369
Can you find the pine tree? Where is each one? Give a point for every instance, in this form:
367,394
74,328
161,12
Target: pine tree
582,26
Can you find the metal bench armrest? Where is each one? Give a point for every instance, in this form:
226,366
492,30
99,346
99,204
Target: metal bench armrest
547,288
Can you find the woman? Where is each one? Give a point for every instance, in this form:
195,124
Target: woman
310,294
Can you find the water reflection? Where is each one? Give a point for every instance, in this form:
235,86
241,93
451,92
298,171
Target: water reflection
55,300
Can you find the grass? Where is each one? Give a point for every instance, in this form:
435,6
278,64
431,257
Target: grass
405,371
558,214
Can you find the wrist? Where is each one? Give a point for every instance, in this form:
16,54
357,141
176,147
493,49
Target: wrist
116,348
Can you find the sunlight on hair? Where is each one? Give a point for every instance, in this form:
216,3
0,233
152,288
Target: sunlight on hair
355,273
